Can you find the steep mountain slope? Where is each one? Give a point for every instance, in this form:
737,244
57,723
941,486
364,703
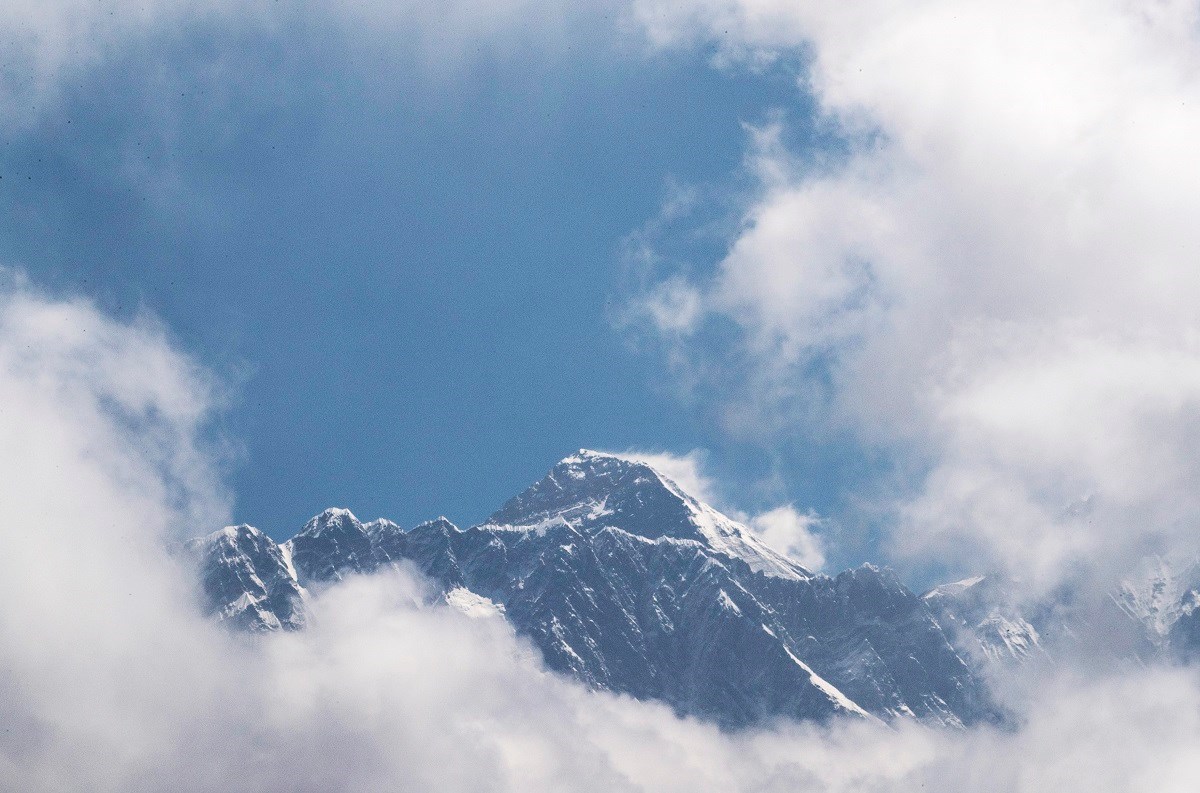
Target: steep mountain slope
1164,597
629,584
248,580
981,614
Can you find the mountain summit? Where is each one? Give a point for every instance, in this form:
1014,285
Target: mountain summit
629,584
595,489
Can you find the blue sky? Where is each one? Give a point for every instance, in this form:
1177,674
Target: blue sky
434,250
411,280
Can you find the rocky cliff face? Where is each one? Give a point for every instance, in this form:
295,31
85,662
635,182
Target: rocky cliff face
248,579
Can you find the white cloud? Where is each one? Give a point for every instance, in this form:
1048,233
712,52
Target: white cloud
686,470
784,528
112,682
793,533
674,306
997,282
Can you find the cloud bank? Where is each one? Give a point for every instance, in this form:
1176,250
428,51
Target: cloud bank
112,681
996,281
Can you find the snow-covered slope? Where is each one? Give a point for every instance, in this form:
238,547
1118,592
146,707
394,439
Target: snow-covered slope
982,615
1164,596
628,583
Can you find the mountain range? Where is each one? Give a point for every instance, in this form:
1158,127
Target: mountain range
628,583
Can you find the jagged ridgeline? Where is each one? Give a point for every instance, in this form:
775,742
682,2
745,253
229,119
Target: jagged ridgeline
629,584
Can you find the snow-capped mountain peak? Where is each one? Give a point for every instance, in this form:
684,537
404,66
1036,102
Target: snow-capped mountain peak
440,523
249,580
628,583
331,519
330,545
953,589
985,616
591,490
380,526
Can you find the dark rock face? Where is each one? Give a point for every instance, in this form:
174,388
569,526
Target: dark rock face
628,584
247,581
331,545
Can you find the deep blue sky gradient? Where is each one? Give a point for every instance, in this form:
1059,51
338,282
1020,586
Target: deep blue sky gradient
410,281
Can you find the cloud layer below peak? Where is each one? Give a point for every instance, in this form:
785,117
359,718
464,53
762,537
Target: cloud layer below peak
113,681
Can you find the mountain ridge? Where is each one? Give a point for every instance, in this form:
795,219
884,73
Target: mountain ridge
628,583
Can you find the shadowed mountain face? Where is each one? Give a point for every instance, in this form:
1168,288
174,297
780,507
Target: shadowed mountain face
627,583
248,579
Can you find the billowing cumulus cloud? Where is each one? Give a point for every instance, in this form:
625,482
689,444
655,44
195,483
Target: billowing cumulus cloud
792,532
996,281
112,681
687,470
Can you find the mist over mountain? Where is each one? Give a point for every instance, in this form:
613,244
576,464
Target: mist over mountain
1148,616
